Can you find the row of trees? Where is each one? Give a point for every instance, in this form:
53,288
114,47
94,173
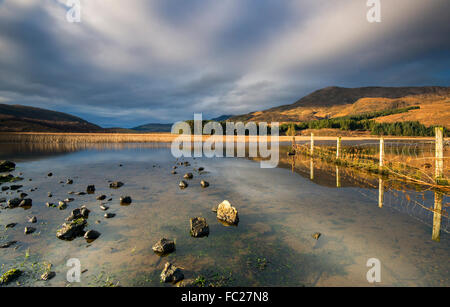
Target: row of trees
407,128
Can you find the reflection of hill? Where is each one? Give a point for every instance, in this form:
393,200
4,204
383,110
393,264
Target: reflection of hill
37,151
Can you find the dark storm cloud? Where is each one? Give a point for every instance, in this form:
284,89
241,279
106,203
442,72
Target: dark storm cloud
135,62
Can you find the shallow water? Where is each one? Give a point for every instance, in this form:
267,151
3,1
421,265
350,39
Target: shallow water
279,210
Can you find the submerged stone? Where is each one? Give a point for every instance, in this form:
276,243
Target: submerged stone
6,166
115,184
164,246
72,229
199,227
10,276
171,273
91,235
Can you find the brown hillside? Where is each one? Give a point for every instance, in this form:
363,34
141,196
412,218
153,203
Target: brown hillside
333,102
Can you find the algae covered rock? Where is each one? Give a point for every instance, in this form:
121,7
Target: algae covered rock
72,229
6,166
9,276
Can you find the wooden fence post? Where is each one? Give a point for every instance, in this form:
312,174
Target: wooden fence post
381,152
439,132
338,148
312,144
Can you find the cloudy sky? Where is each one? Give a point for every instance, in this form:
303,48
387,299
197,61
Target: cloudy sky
132,62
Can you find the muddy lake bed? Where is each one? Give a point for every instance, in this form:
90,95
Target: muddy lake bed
280,210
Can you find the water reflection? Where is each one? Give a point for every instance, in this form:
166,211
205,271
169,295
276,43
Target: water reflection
437,216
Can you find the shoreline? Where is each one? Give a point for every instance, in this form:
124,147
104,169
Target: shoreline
62,137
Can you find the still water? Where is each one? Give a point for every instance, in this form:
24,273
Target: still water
359,217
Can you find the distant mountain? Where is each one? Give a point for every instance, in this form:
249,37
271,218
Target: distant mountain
19,118
222,118
331,102
153,128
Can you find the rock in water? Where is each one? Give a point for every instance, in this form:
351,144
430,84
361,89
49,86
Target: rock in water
188,176
125,200
316,235
199,227
6,166
171,273
69,181
29,230
27,202
72,229
32,219
103,207
50,174
227,213
204,184
91,235
11,225
13,203
183,184
10,276
90,189
7,244
48,275
115,184
109,215
62,205
164,246
101,197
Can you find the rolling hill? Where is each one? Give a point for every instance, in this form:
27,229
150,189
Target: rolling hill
332,102
19,118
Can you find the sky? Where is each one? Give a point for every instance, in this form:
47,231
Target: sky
133,62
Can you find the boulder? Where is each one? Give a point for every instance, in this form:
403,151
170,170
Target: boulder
115,184
6,166
90,189
8,244
62,205
13,203
125,200
227,213
72,229
164,246
29,230
199,227
48,275
10,276
188,176
109,215
27,202
91,235
171,273
204,184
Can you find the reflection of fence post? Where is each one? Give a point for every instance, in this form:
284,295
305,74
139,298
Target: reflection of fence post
312,144
437,217
338,178
439,131
338,148
311,169
380,193
381,152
